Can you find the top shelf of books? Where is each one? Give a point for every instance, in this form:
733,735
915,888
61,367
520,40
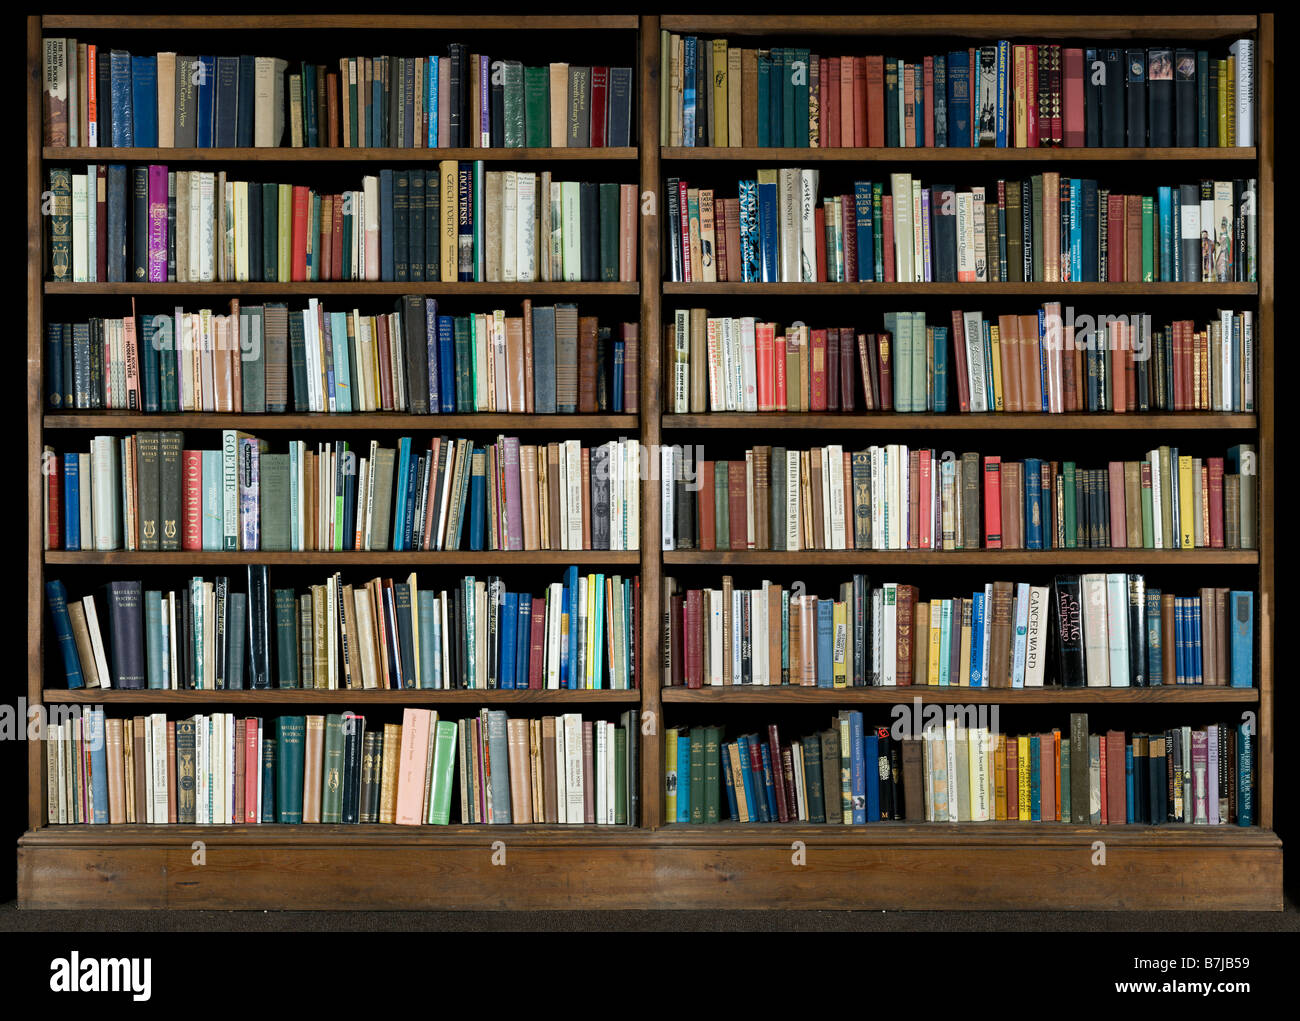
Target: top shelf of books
969,26
345,22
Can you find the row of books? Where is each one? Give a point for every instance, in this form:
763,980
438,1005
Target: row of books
385,634
268,358
1049,228
1093,630
151,224
1003,94
892,496
97,96
220,769
1037,362
146,491
959,769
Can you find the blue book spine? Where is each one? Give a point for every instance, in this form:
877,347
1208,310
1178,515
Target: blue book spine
768,225
340,377
477,500
684,779
386,230
945,642
213,530
245,106
1076,229
571,586
769,782
749,243
1245,775
918,105
403,462
431,101
1155,659
205,102
620,362
1128,783
122,86
1241,638
523,635
857,768
269,745
1165,213
94,741
941,368
747,778
153,639
977,640
1033,503
1036,781
57,596
509,624
866,245
764,100
71,502
447,364
412,484
1042,361
598,644
959,99
825,642
1004,55
428,647
689,58
871,756
684,789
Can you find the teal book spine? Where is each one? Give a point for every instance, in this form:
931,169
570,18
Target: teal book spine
153,633
428,640
269,746
289,765
286,638
1036,781
213,513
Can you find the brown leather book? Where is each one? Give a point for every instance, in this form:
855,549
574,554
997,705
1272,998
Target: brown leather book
138,763
1031,378
1133,504
332,108
553,491
548,769
749,96
1133,238
815,485
1000,636
1115,779
313,763
913,783
737,518
1008,359
116,772
914,499
1047,774
699,379
515,369
921,643
762,498
1013,505
587,331
241,767
907,644
1167,639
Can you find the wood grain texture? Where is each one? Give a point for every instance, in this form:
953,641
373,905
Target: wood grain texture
350,22
1267,405
35,400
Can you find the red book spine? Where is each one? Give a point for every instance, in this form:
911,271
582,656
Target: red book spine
959,361
192,500
683,204
823,101
1216,502
778,360
831,134
887,246
737,523
1118,518
720,233
1031,95
818,359
833,370
914,499
1101,743
252,770
1054,78
326,254
1177,331
1115,797
927,507
993,502
708,508
850,206
860,100
774,746
298,268
846,372
906,637
1072,105
819,228
928,77
599,105
764,344
875,102
694,640
537,644
1013,778
1115,270
885,359
54,466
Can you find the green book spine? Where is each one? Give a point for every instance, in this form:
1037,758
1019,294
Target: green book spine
464,364
1148,239
1038,246
331,810
620,776
61,224
289,758
273,495
153,638
147,488
920,363
812,769
537,107
1148,519
609,204
286,638
513,130
722,517
697,774
712,775
1071,508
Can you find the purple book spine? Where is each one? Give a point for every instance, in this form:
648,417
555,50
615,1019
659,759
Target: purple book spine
1212,773
485,104
249,486
431,337
514,506
157,224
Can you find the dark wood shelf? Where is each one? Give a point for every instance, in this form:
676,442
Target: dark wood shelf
346,558
752,153
978,26
324,154
371,420
789,694
979,422
348,22
957,558
325,288
340,697
972,291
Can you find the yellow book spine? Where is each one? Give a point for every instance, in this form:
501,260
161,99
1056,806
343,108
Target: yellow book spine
670,774
995,346
839,619
1022,776
935,639
1186,503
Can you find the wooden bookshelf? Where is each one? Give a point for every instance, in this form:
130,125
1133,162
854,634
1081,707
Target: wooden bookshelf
654,864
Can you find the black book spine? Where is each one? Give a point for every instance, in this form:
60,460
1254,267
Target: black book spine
259,627
221,666
1094,73
415,253
126,633
590,213
1136,94
1069,631
1160,97
1137,632
353,741
401,225
1186,86
432,219
498,104
140,223
372,757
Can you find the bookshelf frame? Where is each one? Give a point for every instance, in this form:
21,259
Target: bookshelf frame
653,865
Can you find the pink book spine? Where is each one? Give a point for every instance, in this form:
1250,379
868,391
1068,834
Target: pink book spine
410,773
252,771
444,108
1118,517
514,504
157,224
